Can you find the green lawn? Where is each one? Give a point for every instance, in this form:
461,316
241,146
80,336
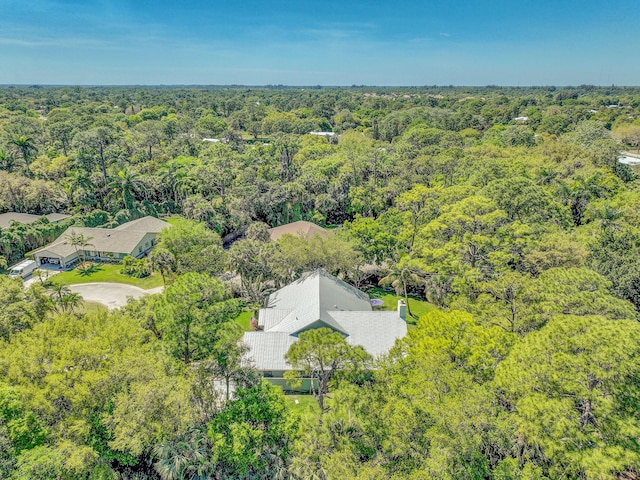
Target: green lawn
418,306
104,272
305,404
92,307
243,320
174,219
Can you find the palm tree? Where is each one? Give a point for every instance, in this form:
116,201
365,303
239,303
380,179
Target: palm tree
64,299
184,458
126,185
26,145
162,260
400,277
173,175
79,240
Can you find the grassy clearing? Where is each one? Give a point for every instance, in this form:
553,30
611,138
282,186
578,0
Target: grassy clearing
174,220
105,273
92,307
418,306
302,404
243,320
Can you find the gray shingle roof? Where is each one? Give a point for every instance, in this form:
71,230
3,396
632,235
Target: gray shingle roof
320,300
56,217
114,240
27,218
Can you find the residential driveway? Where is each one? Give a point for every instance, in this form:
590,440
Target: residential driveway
113,295
39,274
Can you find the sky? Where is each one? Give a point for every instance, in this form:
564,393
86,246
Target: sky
297,42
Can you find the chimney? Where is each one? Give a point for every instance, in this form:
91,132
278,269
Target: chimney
402,310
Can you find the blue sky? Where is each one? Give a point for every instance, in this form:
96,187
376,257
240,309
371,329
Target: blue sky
473,42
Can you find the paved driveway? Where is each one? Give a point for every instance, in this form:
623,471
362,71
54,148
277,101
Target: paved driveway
113,295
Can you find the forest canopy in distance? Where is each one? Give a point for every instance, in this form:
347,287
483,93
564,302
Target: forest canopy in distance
506,209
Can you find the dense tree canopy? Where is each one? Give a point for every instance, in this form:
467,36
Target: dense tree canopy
505,208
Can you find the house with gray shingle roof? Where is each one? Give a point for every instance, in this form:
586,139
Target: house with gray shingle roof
319,300
133,238
6,219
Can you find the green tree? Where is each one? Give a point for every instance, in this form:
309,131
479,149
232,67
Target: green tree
63,461
23,428
520,304
7,160
26,145
615,255
401,276
572,390
191,315
293,255
21,310
251,260
229,361
252,435
375,238
194,247
322,355
427,413
525,201
153,409
64,300
126,185
185,457
79,241
96,141
162,260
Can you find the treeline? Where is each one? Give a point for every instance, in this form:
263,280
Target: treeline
505,208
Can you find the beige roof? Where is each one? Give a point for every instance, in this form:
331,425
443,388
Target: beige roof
144,224
56,249
301,229
56,217
114,240
26,218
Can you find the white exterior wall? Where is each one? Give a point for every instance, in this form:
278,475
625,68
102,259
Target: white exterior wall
146,244
64,262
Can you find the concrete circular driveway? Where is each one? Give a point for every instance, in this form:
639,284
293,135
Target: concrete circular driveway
113,295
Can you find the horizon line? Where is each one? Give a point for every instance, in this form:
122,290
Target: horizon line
311,86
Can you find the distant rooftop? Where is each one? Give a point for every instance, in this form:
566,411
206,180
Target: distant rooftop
7,218
301,229
323,134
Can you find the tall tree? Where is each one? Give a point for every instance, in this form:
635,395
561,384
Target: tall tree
126,185
97,140
401,276
572,392
26,145
79,241
252,436
321,355
191,315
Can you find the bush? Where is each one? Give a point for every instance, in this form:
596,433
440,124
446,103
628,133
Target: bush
135,268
